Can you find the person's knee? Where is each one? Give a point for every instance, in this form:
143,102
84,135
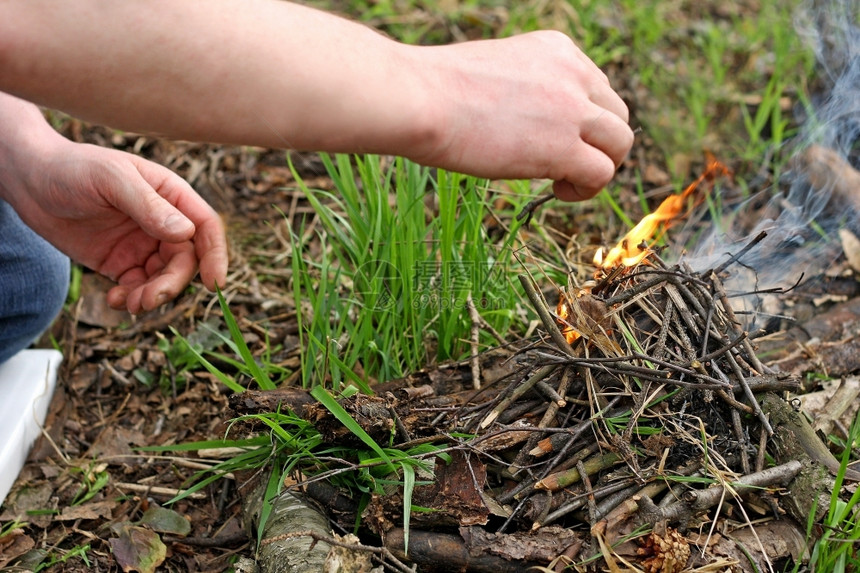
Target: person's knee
34,282
56,270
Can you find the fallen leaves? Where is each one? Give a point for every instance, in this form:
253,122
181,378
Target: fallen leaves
137,549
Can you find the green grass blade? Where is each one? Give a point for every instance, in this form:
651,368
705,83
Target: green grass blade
327,400
223,378
257,373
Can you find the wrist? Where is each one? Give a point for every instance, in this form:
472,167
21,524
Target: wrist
27,143
426,98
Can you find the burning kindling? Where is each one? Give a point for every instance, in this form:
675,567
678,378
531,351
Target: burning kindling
649,378
635,245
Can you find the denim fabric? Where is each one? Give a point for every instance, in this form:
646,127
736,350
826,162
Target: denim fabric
34,280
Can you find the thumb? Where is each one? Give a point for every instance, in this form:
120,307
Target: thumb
139,199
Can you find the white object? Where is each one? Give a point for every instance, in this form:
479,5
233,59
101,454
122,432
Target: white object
27,382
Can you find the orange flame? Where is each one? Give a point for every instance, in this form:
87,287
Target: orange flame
634,247
563,314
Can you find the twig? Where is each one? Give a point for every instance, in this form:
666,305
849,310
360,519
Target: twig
736,257
158,490
695,502
541,373
623,488
474,362
564,478
586,483
525,215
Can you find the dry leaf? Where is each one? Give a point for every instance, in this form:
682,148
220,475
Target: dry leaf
137,549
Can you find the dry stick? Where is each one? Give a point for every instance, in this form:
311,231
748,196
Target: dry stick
690,297
620,363
548,417
742,438
684,341
541,373
580,428
660,352
697,501
623,488
626,507
586,483
550,393
158,490
747,392
736,257
525,215
720,351
553,443
659,348
711,321
725,397
762,450
562,479
730,313
475,331
683,311
528,486
635,290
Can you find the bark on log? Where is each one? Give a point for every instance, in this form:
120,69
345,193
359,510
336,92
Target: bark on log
794,439
291,513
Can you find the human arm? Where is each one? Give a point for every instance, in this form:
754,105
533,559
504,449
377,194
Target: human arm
129,219
277,74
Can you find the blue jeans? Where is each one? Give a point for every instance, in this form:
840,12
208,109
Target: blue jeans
34,280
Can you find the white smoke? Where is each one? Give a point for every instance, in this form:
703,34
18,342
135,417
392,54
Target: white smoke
817,195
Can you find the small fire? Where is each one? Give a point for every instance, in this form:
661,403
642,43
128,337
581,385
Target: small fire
634,247
563,318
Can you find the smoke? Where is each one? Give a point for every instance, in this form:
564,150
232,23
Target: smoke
821,190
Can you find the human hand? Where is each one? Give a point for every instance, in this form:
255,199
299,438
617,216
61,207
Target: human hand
134,221
530,106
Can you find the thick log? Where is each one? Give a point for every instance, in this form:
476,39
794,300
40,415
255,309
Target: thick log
446,553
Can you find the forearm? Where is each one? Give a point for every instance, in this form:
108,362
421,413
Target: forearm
263,72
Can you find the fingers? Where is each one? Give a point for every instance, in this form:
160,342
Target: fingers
610,134
188,233
210,242
137,195
161,279
607,137
589,170
211,248
605,142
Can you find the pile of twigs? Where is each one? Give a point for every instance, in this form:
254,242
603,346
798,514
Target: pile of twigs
655,400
